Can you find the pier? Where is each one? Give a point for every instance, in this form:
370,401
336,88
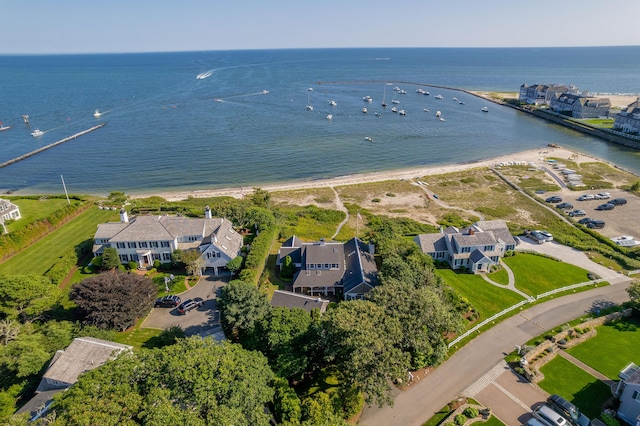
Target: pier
44,148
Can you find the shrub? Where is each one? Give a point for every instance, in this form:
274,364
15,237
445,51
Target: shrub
61,268
460,419
470,412
132,265
157,264
375,200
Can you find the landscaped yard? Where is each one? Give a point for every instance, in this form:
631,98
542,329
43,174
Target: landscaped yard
615,346
39,257
537,274
575,385
32,210
486,298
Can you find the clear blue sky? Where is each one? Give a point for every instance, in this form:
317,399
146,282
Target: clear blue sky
89,26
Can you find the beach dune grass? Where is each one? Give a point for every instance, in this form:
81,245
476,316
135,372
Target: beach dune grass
537,274
575,385
612,349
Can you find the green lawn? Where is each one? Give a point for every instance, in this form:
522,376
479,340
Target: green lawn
615,346
575,385
536,274
39,257
500,276
486,298
32,210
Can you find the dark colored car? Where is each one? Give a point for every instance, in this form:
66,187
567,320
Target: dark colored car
576,213
568,410
170,301
585,220
189,305
618,201
553,199
596,224
564,206
605,207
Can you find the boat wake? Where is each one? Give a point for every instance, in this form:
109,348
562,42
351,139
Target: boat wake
204,75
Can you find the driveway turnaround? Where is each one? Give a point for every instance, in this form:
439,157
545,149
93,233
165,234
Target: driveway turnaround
447,382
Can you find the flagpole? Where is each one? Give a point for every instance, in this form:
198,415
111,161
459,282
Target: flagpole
65,190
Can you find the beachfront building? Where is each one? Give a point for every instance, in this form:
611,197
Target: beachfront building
331,268
542,94
628,391
476,247
578,106
628,120
8,211
145,239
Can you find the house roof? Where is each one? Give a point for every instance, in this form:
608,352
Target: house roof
475,239
478,256
430,243
321,253
360,266
83,354
288,299
499,228
39,402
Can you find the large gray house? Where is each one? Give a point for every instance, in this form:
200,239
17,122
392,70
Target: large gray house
8,211
578,106
628,390
144,239
476,247
541,94
628,120
331,268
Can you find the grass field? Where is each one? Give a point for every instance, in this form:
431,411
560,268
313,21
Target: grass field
615,346
575,385
529,278
32,210
486,298
39,257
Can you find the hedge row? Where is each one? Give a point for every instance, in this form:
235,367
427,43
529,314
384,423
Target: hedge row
61,268
257,257
17,240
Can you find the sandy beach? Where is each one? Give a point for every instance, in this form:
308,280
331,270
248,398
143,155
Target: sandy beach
533,155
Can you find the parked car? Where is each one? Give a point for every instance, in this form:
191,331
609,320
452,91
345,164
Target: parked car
170,301
605,207
602,196
549,417
585,220
537,237
577,212
565,206
586,197
618,201
189,305
568,410
596,224
553,199
548,236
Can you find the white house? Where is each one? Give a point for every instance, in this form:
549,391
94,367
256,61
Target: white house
144,239
628,391
8,211
476,247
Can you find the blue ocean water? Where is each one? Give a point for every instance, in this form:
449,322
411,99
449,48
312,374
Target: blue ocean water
168,130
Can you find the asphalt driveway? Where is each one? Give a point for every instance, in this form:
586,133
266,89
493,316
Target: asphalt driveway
202,321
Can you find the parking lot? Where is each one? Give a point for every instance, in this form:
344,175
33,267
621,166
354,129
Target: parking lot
622,220
203,320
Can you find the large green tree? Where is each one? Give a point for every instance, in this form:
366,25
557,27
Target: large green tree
194,382
363,343
27,296
242,306
113,299
110,259
634,293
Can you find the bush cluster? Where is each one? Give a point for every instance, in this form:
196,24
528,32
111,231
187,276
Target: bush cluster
62,267
257,257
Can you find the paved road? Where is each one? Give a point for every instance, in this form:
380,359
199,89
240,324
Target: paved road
465,367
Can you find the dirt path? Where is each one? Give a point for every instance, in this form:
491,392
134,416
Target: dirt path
433,197
340,206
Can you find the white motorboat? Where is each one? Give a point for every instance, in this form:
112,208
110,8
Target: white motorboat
37,133
3,127
367,98
332,102
368,139
394,101
394,109
455,99
329,117
438,113
441,119
426,110
265,92
310,89
420,91
309,108
485,109
439,97
364,110
461,102
402,92
25,118
97,114
426,93
402,112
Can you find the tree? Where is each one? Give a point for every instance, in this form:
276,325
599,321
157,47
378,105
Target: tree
286,403
242,305
9,330
317,410
288,268
362,342
26,355
194,382
194,263
110,259
235,264
634,293
261,198
27,296
113,299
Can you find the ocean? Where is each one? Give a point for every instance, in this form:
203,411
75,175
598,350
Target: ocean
244,122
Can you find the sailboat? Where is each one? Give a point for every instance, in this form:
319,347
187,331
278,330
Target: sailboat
384,96
3,127
393,100
309,106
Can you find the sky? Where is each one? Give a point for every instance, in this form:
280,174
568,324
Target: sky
111,26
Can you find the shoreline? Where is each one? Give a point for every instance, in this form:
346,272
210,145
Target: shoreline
531,155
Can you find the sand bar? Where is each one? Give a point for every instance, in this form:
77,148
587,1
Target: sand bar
533,155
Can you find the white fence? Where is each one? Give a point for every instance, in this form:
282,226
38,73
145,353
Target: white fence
517,305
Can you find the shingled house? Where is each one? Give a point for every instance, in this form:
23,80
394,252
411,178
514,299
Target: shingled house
331,268
8,211
476,247
628,120
542,94
145,239
628,390
577,106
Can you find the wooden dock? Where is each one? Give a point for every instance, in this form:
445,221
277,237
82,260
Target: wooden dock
44,148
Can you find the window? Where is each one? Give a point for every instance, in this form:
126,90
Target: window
165,243
217,254
326,266
143,244
636,395
124,258
131,245
120,245
154,244
166,256
488,248
465,250
156,256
